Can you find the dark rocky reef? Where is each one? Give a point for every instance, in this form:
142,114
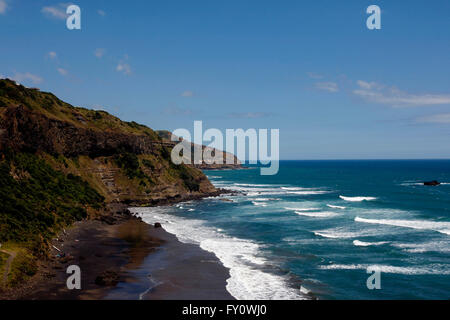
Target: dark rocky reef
431,183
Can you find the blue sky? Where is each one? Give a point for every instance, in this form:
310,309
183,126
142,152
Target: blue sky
312,69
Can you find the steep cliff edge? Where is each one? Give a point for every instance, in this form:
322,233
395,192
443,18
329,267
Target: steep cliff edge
123,161
208,162
60,164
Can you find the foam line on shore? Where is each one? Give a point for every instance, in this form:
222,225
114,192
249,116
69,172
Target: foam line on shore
249,279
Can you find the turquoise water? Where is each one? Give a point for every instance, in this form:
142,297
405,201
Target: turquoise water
317,225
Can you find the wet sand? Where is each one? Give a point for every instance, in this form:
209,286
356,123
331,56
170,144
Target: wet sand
145,263
176,271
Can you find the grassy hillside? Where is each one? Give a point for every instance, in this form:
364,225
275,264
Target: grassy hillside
12,94
60,164
36,200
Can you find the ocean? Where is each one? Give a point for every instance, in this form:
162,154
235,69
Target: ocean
313,229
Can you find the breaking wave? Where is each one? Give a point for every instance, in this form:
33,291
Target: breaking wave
357,199
442,227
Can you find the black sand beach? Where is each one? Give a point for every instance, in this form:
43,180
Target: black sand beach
175,271
126,260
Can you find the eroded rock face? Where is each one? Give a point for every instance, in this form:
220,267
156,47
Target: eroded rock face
26,130
229,161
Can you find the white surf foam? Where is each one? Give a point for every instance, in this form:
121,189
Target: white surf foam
271,189
295,188
343,233
357,199
426,270
319,214
305,193
335,235
336,207
251,185
266,199
434,246
259,203
442,227
366,244
249,280
302,209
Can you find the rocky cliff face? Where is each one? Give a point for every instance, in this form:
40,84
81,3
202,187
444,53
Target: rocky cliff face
208,161
25,129
123,161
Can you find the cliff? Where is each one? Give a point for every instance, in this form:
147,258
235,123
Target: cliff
207,163
60,163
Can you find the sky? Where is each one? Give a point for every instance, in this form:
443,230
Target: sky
312,69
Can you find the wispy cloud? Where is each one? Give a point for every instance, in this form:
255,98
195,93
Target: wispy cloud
382,94
52,55
249,115
124,68
327,86
63,72
99,52
57,11
101,12
443,118
21,77
187,93
177,111
3,6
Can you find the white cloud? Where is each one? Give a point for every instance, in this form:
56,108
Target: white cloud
124,68
187,93
101,12
327,86
58,11
62,71
52,55
3,6
99,52
379,93
443,118
366,85
20,77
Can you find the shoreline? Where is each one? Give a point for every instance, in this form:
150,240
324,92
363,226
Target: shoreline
118,254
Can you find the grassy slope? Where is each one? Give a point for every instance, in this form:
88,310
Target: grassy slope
49,105
42,193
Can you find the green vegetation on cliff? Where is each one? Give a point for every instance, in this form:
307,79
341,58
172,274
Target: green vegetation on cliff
60,164
36,200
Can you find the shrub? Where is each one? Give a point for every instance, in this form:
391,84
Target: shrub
34,207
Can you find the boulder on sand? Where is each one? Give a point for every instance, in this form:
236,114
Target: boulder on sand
157,225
